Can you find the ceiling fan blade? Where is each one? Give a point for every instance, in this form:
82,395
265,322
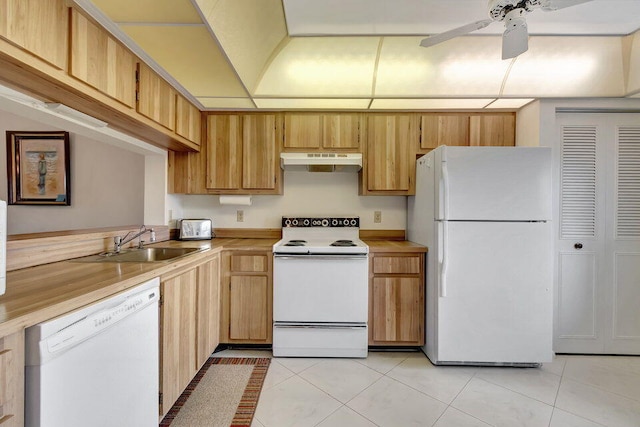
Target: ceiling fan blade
460,31
550,5
515,41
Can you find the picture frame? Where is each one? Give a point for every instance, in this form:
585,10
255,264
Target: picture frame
38,168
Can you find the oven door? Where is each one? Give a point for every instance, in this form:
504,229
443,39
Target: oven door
320,288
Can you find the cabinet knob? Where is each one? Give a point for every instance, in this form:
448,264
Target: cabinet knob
578,246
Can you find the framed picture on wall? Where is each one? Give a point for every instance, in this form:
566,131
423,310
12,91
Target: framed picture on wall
38,168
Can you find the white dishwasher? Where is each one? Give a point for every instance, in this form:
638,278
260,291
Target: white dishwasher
97,366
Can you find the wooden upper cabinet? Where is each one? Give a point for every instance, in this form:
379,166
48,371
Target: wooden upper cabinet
302,131
439,129
259,152
101,61
188,119
493,130
315,131
224,152
242,154
391,150
341,131
156,97
40,27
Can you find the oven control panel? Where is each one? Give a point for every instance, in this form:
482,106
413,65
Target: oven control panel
352,221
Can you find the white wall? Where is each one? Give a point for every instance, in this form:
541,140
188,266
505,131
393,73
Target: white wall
107,185
305,193
528,125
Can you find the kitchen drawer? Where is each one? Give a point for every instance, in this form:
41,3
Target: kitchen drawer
396,264
249,263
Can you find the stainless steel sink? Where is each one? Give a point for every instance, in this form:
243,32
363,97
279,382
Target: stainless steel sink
140,255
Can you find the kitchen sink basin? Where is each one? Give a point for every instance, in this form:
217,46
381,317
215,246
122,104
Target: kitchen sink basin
140,255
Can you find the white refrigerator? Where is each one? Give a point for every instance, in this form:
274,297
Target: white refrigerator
484,213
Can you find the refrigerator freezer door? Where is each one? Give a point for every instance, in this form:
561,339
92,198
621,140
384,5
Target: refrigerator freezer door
497,307
493,183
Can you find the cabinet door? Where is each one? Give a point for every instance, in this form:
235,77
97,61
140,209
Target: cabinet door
12,380
492,130
397,310
100,61
187,120
208,312
341,131
302,131
259,152
248,308
37,26
178,339
391,142
224,158
438,129
156,98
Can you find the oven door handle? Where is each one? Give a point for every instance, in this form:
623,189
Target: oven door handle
322,257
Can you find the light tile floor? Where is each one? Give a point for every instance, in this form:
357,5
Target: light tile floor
403,389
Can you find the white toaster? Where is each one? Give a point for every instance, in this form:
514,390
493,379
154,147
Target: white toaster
195,229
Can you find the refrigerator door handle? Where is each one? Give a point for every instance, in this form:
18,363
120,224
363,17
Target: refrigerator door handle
442,256
444,192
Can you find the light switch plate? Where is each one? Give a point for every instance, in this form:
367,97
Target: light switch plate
377,217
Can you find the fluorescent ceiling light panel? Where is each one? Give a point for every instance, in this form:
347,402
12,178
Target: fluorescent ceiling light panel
231,103
510,103
429,104
76,115
320,104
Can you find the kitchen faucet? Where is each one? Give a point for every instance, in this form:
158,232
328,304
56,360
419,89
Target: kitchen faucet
118,241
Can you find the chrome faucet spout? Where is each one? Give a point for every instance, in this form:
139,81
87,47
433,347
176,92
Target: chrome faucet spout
120,241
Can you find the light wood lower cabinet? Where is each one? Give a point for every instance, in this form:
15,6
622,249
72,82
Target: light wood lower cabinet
396,299
12,380
247,293
189,327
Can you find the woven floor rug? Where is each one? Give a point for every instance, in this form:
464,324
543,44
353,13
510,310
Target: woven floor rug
224,393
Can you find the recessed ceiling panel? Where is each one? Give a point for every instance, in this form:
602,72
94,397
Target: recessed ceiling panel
249,31
634,65
190,55
227,103
466,66
429,104
322,67
410,17
156,11
568,67
509,103
313,104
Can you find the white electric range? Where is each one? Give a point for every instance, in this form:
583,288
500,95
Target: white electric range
320,288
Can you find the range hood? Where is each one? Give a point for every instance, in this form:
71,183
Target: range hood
321,162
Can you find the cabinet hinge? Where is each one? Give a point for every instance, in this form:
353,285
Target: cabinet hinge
160,398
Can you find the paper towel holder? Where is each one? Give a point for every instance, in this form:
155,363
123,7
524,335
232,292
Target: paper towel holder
240,200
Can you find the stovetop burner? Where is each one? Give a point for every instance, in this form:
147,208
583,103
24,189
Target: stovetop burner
296,242
343,243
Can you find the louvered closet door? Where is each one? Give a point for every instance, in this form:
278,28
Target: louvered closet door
598,234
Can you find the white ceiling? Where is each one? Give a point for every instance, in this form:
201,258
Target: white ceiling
246,54
423,17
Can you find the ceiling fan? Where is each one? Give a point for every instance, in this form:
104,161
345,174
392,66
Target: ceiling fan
515,39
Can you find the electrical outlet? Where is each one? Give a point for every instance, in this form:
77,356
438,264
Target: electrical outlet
239,216
377,217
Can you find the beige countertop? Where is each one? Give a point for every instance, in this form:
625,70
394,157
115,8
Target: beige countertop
36,294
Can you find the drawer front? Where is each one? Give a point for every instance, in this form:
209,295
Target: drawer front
396,264
249,263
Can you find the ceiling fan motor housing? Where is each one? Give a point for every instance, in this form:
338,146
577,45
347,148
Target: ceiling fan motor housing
499,9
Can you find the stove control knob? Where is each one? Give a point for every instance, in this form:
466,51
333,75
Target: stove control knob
353,222
325,222
334,222
306,222
294,222
287,222
315,222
